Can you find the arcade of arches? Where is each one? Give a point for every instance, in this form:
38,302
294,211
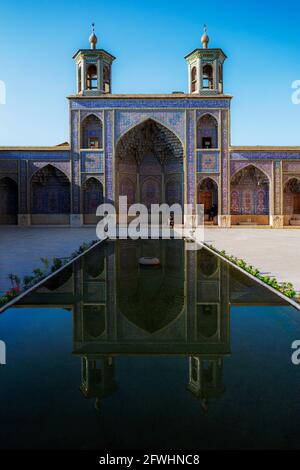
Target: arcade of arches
50,197
149,169
149,166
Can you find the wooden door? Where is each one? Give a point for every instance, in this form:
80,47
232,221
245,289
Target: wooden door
205,198
296,203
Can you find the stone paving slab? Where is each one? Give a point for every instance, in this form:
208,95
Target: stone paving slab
22,248
276,252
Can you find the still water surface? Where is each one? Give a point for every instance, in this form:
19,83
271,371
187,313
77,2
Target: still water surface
109,355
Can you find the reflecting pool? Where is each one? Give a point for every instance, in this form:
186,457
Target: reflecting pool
111,355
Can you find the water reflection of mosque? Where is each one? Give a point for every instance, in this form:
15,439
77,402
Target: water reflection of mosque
181,308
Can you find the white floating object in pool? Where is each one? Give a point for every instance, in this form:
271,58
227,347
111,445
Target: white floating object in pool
146,261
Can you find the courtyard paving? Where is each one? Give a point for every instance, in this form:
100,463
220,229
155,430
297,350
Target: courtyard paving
22,248
276,252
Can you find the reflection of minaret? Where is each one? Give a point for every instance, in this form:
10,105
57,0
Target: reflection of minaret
97,378
91,286
205,379
209,326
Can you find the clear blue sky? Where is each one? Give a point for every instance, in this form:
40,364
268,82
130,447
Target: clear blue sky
150,39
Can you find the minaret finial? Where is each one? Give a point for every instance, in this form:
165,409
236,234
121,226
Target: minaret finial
205,38
93,38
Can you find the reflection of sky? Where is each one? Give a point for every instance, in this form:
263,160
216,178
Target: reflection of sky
151,407
150,39
254,401
32,334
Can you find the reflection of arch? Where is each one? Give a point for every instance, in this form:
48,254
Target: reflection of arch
50,196
291,201
146,154
250,196
93,320
151,299
8,201
91,132
60,279
94,262
208,196
207,320
207,132
207,263
92,195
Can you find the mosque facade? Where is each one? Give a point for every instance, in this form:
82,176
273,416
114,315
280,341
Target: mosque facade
167,148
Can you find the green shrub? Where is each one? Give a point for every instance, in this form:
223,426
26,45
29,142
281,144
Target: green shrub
57,264
285,287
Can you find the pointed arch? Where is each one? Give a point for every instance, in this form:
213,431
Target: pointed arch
8,201
128,189
42,165
291,201
250,188
79,79
151,191
92,197
193,79
50,200
207,77
107,78
91,132
149,154
144,119
251,165
173,190
207,195
92,77
207,132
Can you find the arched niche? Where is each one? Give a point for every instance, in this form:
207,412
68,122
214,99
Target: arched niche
291,202
208,197
8,201
207,132
92,198
250,188
146,157
50,199
91,133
